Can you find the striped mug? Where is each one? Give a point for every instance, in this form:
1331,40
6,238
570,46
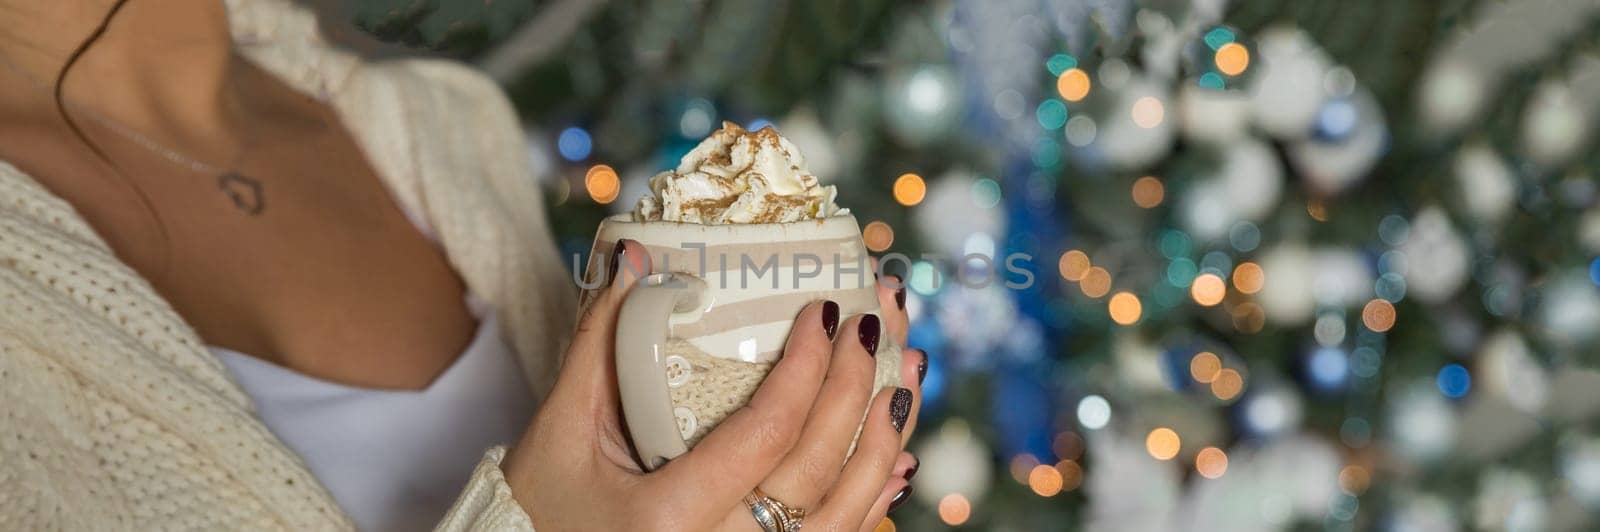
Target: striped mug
698,335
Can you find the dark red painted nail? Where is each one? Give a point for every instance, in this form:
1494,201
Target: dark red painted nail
900,408
900,498
616,261
830,318
922,369
916,463
900,293
868,331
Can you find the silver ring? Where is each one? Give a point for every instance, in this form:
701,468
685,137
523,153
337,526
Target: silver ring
772,515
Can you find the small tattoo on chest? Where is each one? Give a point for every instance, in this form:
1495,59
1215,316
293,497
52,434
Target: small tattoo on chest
245,191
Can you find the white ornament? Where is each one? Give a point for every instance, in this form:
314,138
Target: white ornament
922,105
1273,410
1424,513
1509,500
1487,184
1555,124
1304,467
1138,130
1299,279
1437,260
1212,117
1507,369
1286,295
1287,92
1422,424
1342,277
964,464
1452,92
1569,310
1138,362
1203,210
949,213
1127,489
976,320
1580,468
1253,179
804,129
1332,166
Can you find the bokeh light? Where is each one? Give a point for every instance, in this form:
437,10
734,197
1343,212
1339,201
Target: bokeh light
602,184
1232,58
1227,385
1204,367
1354,480
574,144
1148,192
1071,474
1051,114
1317,209
1068,446
1073,85
1021,466
1162,444
1218,36
1208,289
878,236
1060,63
1211,462
1096,282
986,193
1378,315
954,509
1249,317
1045,480
1148,112
909,189
1454,381
1248,278
1094,412
1074,265
1125,308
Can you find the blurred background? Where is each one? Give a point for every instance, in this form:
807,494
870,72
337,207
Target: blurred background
1299,265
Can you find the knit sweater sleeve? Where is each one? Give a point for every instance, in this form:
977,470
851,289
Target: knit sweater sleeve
486,504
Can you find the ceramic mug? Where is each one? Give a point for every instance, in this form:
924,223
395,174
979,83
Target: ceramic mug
698,335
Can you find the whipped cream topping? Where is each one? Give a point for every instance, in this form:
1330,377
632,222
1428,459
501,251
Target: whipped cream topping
738,177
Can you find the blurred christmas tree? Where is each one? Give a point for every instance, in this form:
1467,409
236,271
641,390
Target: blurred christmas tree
1300,265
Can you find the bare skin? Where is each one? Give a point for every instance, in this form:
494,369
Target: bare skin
329,279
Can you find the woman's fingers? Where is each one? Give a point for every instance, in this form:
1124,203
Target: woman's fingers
894,494
587,368
906,465
892,302
913,370
857,491
733,459
811,467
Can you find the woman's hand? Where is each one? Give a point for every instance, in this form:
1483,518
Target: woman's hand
573,470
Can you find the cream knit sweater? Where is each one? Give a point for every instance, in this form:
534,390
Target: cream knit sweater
114,416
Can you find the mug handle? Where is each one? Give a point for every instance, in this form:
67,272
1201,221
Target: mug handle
641,350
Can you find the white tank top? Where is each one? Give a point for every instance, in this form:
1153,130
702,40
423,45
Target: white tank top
395,460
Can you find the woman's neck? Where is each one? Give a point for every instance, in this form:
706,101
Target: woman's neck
164,68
